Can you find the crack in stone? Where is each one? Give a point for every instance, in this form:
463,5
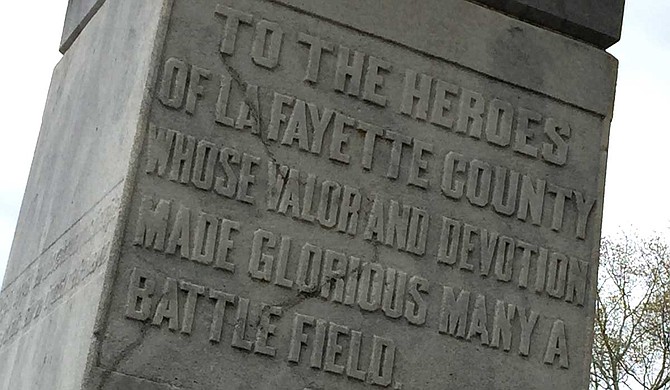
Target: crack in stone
254,108
123,355
301,296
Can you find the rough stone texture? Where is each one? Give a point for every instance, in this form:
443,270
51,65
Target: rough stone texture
597,22
256,251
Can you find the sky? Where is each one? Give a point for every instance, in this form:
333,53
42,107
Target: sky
638,181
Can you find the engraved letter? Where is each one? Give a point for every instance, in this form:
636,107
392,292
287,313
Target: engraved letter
222,102
381,372
479,183
265,329
375,81
246,178
225,245
419,165
525,133
470,114
532,198
453,163
418,231
206,230
375,226
501,187
195,88
584,207
449,240
333,349
559,205
353,371
502,326
233,20
393,301
396,230
316,48
277,116
556,275
396,152
442,104
203,169
140,290
371,134
340,138
192,293
557,345
260,264
269,59
181,234
168,306
173,84
334,270
160,143
222,299
241,326
556,152
346,70
527,328
310,260
298,336
499,122
151,227
453,316
417,307
478,321
577,278
371,286
412,92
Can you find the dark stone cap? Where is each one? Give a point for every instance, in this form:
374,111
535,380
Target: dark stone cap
79,13
597,22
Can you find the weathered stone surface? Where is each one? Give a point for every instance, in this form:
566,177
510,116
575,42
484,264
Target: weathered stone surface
241,201
323,200
594,21
69,220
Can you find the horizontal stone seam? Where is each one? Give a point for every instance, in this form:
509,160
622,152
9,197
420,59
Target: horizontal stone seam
439,58
559,26
109,372
83,216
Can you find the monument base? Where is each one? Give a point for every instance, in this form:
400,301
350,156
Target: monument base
291,194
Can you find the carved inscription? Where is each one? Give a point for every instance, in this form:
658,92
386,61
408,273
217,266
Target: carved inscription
171,304
323,131
471,215
337,277
339,207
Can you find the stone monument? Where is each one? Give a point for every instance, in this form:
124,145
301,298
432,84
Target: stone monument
292,194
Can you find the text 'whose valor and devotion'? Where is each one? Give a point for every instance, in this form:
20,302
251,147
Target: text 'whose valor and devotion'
323,131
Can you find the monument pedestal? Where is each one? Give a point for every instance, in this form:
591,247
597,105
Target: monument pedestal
283,194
